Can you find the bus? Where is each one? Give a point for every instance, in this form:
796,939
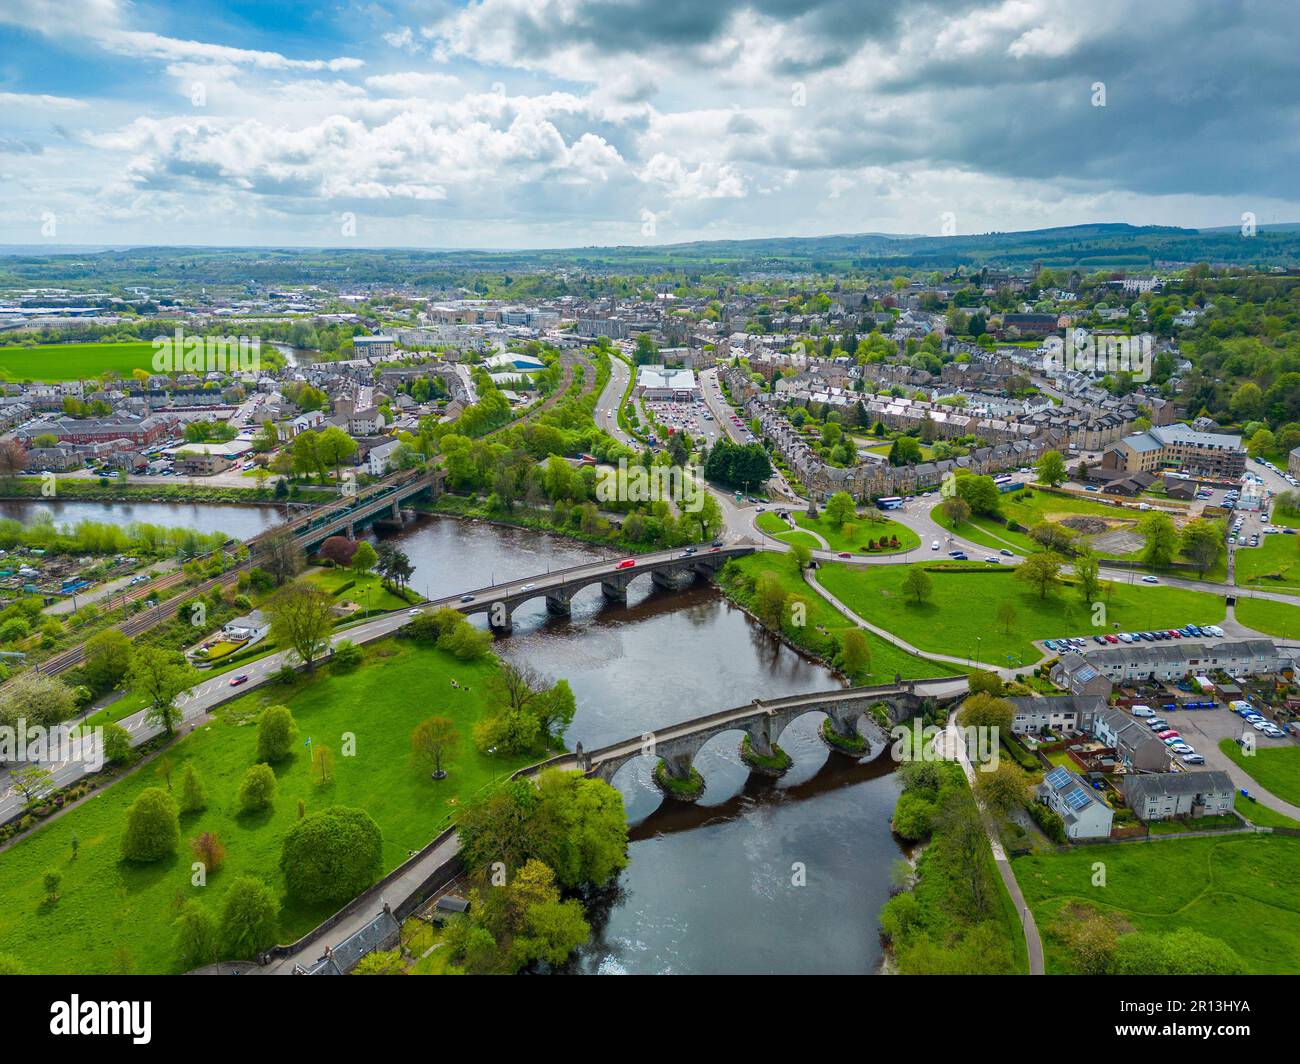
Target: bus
890,502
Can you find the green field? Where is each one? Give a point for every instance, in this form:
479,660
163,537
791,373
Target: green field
963,606
367,589
66,362
853,536
1276,555
825,625
1237,888
778,529
1275,768
1273,618
113,916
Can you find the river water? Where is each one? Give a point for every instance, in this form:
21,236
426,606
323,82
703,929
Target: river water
759,876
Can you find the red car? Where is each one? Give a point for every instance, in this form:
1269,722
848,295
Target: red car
626,563
845,554
1174,633
1169,734
237,680
1112,639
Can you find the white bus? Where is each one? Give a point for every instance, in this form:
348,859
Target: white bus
890,502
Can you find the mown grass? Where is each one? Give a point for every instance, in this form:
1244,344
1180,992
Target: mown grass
65,362
114,916
960,616
1275,768
1270,617
1237,888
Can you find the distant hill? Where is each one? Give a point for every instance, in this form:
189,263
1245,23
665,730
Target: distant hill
1116,246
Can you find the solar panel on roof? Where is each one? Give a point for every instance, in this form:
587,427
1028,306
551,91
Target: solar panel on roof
1058,777
1077,798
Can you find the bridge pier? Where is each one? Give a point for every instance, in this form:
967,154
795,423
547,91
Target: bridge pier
840,733
350,532
677,777
500,619
673,579
614,590
559,605
759,752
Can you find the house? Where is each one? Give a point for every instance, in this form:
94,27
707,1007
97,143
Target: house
1163,795
1136,747
251,626
1212,454
1074,673
1058,713
372,346
380,459
1172,661
198,463
1086,816
367,422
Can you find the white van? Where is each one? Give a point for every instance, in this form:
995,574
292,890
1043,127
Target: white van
1142,711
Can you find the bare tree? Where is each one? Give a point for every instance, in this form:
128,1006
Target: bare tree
281,555
13,459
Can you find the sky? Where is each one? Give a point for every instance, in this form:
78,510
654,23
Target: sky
568,123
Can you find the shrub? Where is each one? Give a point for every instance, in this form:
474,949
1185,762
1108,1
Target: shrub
153,828
331,856
257,791
193,797
208,848
276,732
249,917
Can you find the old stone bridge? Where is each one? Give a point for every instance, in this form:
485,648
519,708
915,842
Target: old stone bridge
848,710
672,568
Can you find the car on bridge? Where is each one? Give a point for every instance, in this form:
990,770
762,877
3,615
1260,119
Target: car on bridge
626,563
467,598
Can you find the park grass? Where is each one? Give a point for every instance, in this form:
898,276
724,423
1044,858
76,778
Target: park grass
1275,768
778,529
826,625
113,916
1270,617
1261,815
337,581
854,535
1277,554
959,618
65,362
1236,888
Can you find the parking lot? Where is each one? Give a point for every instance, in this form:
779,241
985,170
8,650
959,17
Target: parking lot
691,417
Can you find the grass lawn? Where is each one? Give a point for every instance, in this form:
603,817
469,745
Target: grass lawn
1277,554
853,536
826,624
1261,815
1270,617
1237,888
67,362
778,529
116,917
963,606
1275,768
380,599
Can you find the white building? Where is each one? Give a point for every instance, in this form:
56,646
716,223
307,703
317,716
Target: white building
659,382
1086,816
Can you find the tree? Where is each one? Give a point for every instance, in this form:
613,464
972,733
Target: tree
981,494
983,710
855,654
963,831
196,935
208,848
117,744
280,554
1006,616
13,459
956,510
193,798
840,508
108,657
334,447
331,856
256,790
249,918
984,681
161,676
1004,789
1087,576
36,698
769,599
393,565
801,555
1051,469
1161,539
364,558
302,617
33,782
431,741
1202,544
153,828
1041,571
276,732
905,451
917,584
339,549
381,962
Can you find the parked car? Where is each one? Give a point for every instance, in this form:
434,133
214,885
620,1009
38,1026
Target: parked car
1142,711
1193,759
1182,748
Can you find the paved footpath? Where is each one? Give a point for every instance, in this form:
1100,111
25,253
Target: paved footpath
953,747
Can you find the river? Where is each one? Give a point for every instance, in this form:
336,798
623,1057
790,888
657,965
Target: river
759,876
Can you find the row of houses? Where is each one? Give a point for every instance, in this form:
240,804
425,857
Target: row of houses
1097,671
1161,796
